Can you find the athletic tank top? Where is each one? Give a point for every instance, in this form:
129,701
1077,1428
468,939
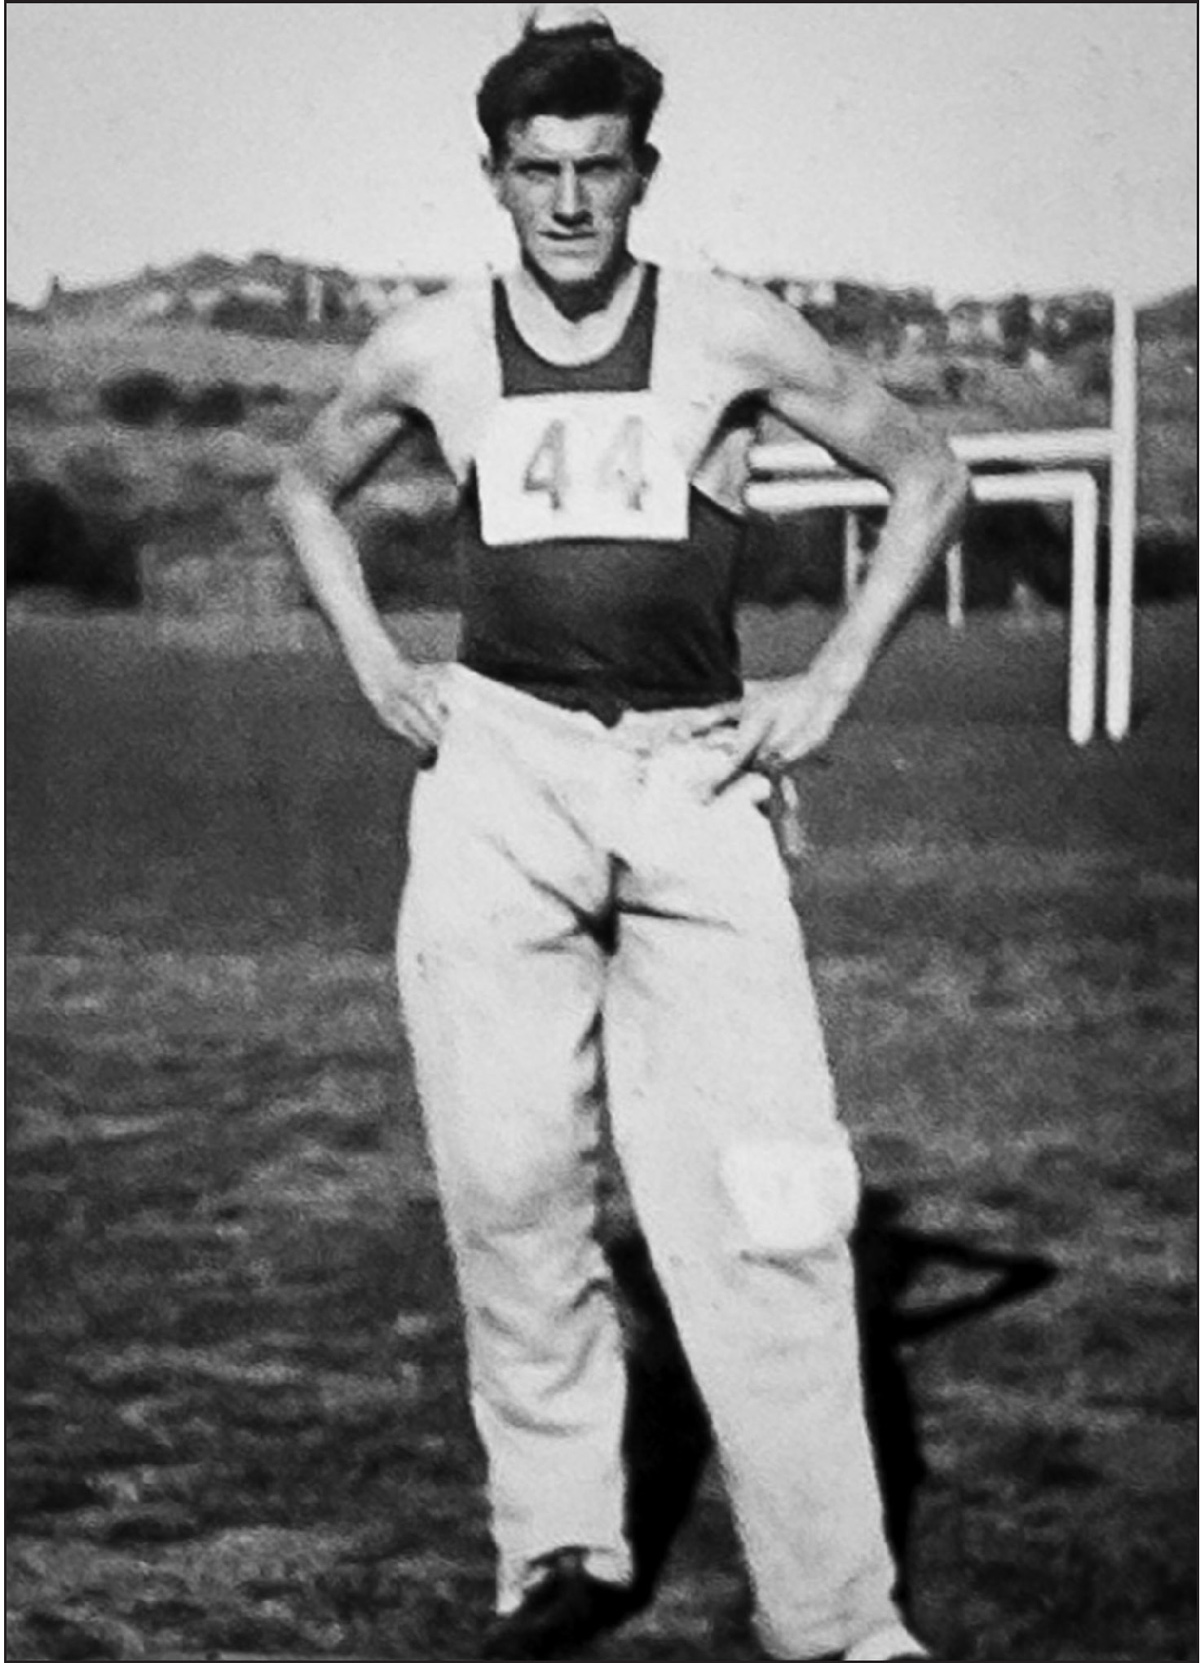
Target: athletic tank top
592,573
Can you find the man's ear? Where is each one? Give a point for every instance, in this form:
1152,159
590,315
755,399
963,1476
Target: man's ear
648,161
492,170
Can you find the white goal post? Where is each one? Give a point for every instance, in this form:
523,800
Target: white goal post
790,476
1076,487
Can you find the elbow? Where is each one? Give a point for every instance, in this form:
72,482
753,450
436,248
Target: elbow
960,479
941,487
954,493
292,496
275,504
288,484
281,495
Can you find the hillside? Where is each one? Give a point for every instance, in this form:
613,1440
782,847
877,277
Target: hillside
264,294
1174,316
269,293
142,432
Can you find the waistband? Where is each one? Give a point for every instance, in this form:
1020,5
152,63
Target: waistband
636,730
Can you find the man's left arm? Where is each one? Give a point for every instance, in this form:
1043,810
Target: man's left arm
836,402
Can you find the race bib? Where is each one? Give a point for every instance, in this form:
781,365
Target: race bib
581,466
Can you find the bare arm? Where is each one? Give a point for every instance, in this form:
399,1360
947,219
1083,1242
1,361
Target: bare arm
346,442
837,403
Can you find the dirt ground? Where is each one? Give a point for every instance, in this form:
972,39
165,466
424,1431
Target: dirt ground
237,1422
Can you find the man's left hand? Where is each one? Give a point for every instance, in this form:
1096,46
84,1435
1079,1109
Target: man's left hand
782,723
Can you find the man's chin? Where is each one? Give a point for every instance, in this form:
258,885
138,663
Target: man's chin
560,269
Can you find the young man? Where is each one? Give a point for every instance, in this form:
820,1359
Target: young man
595,897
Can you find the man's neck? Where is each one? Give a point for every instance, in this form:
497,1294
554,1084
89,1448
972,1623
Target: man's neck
583,333
577,302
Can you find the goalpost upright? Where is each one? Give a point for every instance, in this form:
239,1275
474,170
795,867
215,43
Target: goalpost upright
1122,518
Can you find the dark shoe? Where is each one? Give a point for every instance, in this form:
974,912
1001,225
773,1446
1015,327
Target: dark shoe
897,1657
562,1611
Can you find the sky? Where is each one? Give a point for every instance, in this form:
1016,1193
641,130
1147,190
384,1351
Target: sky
971,148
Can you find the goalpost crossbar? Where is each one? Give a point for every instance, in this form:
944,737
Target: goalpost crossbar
1077,488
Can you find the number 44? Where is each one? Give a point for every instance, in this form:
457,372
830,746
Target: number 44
622,470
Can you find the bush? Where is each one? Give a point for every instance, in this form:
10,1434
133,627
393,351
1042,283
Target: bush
1009,542
1166,568
955,381
35,402
223,404
1092,368
94,478
1071,323
1017,329
141,398
51,542
43,533
256,317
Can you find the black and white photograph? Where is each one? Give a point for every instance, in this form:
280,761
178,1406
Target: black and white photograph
601,682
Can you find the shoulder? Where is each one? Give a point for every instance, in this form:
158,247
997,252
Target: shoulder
726,309
429,338
742,325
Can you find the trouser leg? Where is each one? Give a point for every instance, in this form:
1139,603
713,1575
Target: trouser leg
501,990
744,1182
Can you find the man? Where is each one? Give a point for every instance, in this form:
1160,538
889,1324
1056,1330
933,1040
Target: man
595,899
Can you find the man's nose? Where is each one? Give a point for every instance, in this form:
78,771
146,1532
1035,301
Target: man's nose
569,203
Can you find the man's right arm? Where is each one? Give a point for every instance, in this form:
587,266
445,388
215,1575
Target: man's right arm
346,442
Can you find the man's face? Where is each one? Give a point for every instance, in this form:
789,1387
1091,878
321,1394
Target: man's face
570,187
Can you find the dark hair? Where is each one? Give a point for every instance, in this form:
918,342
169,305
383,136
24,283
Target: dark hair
573,72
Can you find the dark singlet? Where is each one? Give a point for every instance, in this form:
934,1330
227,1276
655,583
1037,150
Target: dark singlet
603,623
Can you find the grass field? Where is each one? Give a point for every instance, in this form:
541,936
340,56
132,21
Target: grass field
237,1421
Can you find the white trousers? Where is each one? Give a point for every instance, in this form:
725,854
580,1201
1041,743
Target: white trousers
701,1031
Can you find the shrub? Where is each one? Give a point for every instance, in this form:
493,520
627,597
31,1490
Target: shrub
51,542
1071,323
43,533
256,317
1166,567
1007,542
222,404
94,478
955,380
1017,328
34,402
141,398
1092,368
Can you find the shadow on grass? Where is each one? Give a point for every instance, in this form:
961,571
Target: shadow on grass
668,1437
890,1257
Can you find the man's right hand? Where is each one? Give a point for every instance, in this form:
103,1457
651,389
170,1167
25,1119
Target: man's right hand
409,699
349,439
